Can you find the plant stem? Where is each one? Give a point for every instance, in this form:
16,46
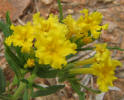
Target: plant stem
22,85
19,91
60,10
115,48
83,49
91,48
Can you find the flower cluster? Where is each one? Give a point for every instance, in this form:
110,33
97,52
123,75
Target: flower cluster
22,37
103,66
45,37
88,26
51,42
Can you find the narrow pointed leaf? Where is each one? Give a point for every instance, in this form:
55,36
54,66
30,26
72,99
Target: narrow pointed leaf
46,73
15,81
47,91
2,82
5,29
13,61
77,88
25,96
8,21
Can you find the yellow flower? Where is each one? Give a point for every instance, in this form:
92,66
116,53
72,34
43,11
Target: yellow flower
105,73
103,66
51,42
85,24
53,50
46,27
105,26
90,22
30,63
22,36
72,26
102,53
9,40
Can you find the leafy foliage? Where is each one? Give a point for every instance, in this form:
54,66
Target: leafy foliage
13,61
76,86
47,91
46,72
25,96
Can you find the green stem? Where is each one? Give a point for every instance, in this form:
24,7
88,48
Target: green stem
22,85
83,49
91,48
60,10
19,91
115,48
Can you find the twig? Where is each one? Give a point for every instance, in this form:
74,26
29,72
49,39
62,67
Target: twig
78,57
20,21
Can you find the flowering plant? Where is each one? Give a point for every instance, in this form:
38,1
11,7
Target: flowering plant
43,48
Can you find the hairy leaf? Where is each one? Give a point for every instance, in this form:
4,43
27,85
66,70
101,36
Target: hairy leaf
47,91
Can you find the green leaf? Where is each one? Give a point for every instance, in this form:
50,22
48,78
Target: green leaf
69,56
5,29
25,81
25,96
37,86
87,66
60,10
64,74
8,21
45,72
83,49
77,88
15,81
4,97
20,55
17,49
69,66
2,82
115,48
47,91
13,61
89,33
79,42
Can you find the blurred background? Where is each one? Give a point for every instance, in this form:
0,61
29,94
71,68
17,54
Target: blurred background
21,11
